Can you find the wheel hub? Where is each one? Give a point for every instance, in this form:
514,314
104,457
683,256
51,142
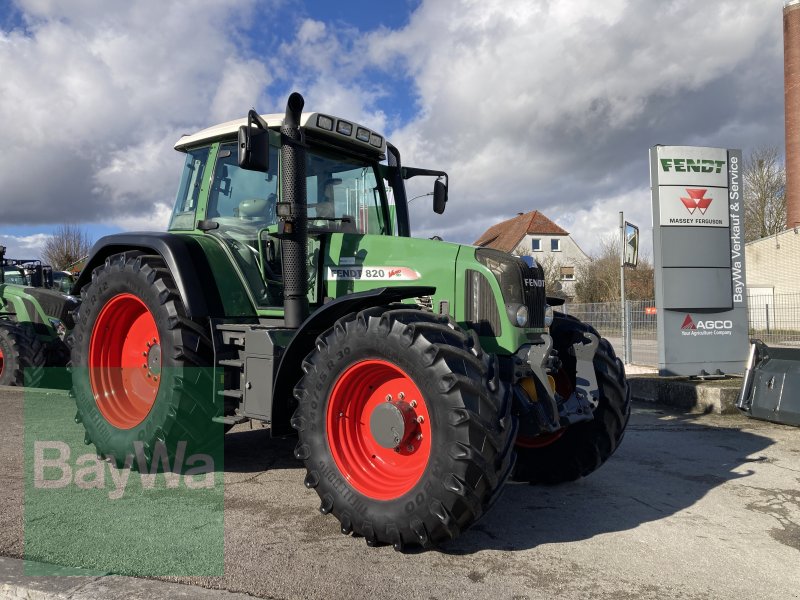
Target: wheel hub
392,422
153,360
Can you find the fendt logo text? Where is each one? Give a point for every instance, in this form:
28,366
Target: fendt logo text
707,327
696,201
692,165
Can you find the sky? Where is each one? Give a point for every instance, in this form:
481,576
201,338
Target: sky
527,104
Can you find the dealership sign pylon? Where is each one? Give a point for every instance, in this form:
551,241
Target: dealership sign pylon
698,246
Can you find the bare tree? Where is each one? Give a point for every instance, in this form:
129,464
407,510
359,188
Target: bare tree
764,178
68,244
598,278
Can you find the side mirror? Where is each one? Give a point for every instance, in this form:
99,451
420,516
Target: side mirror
631,257
439,196
254,144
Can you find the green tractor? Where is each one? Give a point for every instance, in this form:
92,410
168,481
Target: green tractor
419,375
35,317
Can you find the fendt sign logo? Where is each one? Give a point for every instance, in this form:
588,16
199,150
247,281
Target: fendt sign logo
700,327
696,201
691,165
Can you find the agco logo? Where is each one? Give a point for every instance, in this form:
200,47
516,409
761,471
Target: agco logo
696,201
706,327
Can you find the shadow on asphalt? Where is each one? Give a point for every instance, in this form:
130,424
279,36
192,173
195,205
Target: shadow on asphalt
665,464
253,451
662,467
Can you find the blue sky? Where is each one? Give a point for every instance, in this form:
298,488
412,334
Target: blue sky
528,105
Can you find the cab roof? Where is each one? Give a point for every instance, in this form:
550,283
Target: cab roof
339,130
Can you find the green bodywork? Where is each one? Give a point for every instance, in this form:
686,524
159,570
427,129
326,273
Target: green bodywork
349,262
17,305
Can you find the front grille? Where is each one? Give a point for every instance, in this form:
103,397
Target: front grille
482,314
535,295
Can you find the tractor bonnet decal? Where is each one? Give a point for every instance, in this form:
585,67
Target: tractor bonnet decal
359,272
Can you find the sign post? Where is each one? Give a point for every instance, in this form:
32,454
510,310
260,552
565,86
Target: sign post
699,260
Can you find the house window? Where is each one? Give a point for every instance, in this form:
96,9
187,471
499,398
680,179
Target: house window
555,245
567,273
536,244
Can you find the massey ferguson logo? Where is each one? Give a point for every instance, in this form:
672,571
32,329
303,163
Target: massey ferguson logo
708,327
696,201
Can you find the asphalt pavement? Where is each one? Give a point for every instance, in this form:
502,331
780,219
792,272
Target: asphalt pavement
691,506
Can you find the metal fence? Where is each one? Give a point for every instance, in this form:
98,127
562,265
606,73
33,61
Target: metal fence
639,346
774,319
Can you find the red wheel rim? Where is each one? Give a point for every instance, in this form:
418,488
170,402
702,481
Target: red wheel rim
125,361
375,471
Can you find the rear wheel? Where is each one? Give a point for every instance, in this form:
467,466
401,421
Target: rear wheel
404,427
22,356
582,448
141,368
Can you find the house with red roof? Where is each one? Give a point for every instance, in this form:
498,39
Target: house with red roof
534,234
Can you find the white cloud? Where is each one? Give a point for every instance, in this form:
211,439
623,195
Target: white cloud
93,95
528,105
24,246
553,106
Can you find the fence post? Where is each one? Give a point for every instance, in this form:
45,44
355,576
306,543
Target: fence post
628,333
766,308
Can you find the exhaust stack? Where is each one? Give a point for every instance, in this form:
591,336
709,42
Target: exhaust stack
294,244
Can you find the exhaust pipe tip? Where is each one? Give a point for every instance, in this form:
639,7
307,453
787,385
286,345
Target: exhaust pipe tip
294,108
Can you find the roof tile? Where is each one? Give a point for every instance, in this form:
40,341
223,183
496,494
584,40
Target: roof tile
507,235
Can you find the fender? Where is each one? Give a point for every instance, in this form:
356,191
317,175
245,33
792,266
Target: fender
187,263
290,368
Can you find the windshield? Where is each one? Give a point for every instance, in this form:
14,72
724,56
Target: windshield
343,195
183,216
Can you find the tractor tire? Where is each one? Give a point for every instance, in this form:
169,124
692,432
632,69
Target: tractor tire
582,448
22,356
448,458
141,369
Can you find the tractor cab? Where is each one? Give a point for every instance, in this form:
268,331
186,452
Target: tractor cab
348,190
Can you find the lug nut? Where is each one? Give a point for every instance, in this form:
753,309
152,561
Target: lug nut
388,397
413,404
420,419
410,448
401,396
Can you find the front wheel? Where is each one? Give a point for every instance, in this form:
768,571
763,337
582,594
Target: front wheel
404,427
22,356
582,448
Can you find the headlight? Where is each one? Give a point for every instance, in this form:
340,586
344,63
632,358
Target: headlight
61,331
548,315
518,314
